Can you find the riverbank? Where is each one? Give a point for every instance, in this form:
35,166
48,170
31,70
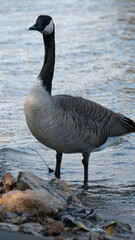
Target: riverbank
50,209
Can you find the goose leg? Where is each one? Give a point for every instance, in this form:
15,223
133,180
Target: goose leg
58,164
85,162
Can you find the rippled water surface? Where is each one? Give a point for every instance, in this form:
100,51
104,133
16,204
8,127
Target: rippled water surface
95,59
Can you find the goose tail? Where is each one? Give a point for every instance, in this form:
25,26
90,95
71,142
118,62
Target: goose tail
123,126
128,124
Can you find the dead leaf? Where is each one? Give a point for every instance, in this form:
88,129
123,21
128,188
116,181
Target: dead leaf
8,182
110,227
1,201
9,179
111,231
82,226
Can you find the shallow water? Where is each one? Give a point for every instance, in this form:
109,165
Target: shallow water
95,59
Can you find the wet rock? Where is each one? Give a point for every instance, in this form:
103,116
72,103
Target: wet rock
123,228
48,220
42,197
31,228
26,217
75,206
77,210
32,201
8,226
56,187
94,218
8,215
69,220
98,236
117,228
17,220
79,216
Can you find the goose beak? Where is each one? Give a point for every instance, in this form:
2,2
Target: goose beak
36,26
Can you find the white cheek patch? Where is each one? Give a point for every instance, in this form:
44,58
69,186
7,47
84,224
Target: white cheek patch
49,28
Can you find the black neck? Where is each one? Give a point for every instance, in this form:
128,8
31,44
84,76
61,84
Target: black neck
46,74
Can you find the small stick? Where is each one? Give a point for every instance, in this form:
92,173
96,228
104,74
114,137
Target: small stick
50,170
39,219
90,213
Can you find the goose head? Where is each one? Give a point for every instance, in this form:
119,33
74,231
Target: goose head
44,24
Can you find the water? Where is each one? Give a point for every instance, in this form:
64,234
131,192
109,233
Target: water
95,59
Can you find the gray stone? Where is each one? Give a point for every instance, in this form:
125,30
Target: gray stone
69,220
8,215
56,187
98,236
123,228
31,228
37,196
8,226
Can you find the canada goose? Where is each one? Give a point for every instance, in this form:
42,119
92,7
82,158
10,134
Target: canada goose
66,123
